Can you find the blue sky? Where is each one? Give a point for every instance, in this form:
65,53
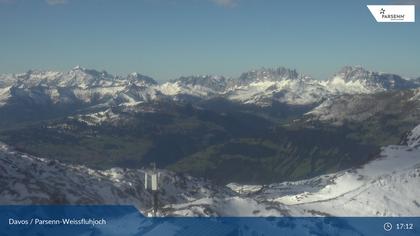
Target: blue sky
169,38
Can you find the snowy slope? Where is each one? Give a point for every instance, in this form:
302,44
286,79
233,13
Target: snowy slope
293,92
413,138
195,86
4,95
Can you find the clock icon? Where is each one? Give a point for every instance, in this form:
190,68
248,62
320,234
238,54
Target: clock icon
387,226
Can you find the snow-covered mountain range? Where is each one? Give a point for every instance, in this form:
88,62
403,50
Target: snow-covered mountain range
386,186
261,87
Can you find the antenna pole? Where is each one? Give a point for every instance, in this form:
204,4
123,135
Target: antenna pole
154,186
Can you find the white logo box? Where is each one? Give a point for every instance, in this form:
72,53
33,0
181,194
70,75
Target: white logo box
393,13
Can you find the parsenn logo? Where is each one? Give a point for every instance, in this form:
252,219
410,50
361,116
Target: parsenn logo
397,17
393,13
382,11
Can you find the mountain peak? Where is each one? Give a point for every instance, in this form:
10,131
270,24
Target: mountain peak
353,68
279,72
214,82
78,67
269,74
352,73
200,78
78,70
140,80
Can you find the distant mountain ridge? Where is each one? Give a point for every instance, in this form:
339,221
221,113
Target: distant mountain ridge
260,87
